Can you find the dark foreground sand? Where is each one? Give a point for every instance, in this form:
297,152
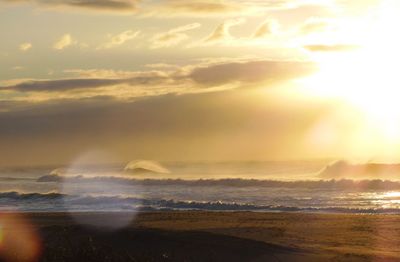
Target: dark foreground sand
212,236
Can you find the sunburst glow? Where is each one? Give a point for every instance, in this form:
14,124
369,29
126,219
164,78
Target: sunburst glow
367,78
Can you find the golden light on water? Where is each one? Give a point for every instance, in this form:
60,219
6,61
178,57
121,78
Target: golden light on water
392,194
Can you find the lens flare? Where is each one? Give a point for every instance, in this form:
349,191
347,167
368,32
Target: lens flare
18,239
92,194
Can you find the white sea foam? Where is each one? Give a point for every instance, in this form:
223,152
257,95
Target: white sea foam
146,166
85,187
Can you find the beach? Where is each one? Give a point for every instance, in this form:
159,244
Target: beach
199,130
195,214
207,236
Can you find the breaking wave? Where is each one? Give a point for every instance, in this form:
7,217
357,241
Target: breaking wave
115,203
30,196
376,184
344,169
58,172
145,166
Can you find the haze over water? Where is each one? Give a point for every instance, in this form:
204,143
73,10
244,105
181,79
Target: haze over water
268,186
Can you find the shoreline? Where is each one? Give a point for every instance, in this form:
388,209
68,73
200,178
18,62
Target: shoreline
381,212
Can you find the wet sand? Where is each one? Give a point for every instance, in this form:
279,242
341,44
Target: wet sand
218,236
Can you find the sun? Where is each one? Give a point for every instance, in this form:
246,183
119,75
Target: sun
367,78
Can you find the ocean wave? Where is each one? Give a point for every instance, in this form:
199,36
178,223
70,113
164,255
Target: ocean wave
7,179
345,184
13,195
62,202
146,166
344,169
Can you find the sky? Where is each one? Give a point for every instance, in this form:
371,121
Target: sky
198,80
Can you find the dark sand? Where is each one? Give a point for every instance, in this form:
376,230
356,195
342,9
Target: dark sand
219,236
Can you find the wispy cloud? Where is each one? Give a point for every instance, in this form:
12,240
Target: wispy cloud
119,39
173,8
267,28
198,7
94,5
173,36
267,34
25,47
64,42
331,48
222,32
316,25
225,8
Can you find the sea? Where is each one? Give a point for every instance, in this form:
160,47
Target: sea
274,186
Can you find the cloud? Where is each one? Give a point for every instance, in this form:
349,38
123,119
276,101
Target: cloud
225,8
331,48
266,35
173,36
197,78
268,28
199,7
164,66
64,42
25,47
64,85
119,39
173,8
316,25
251,72
94,5
222,33
109,73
